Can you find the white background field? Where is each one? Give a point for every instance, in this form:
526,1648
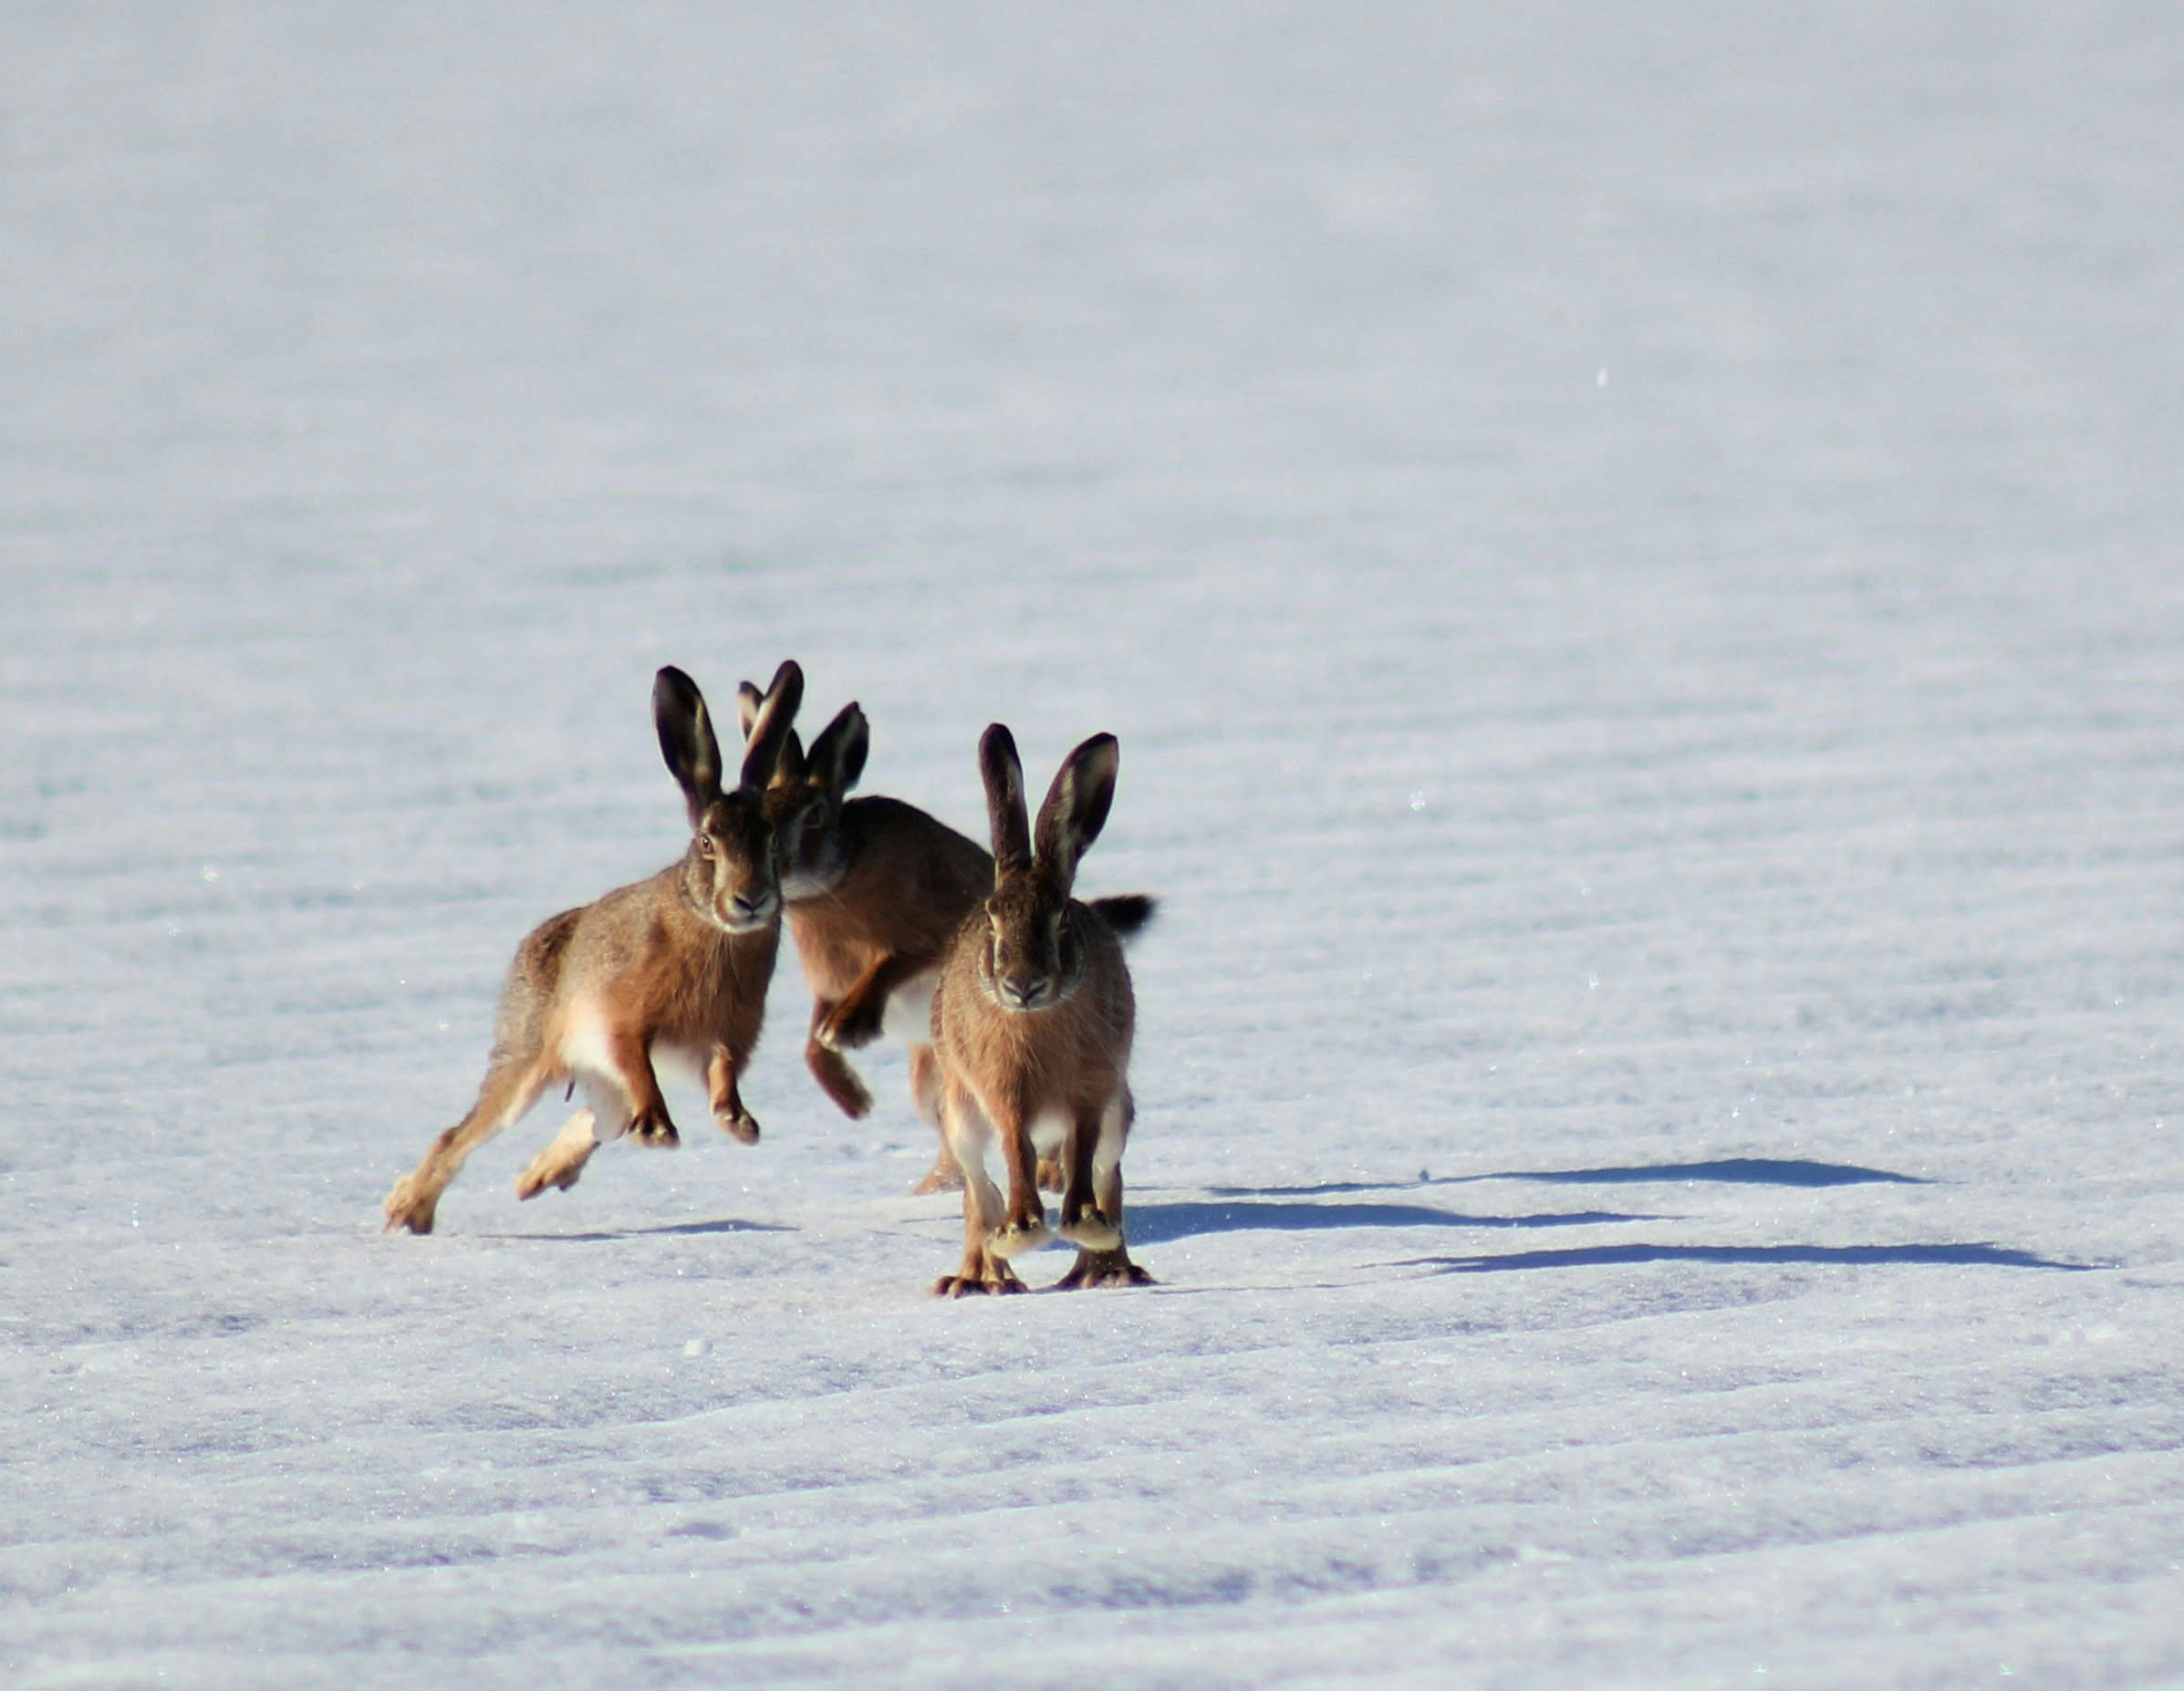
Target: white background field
1636,555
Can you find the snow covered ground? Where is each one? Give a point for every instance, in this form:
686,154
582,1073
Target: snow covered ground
1637,557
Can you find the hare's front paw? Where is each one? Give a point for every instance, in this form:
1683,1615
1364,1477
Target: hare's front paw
838,1080
1018,1236
656,1131
738,1124
1091,1230
849,1026
411,1205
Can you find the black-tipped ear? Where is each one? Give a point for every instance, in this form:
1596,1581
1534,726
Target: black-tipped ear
838,755
1003,772
686,737
747,700
770,728
1076,805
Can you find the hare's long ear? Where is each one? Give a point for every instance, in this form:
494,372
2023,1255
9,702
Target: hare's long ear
771,727
1003,771
838,755
789,772
748,702
686,739
1076,805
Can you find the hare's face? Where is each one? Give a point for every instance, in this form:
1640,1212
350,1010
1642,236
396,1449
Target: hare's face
1032,959
807,838
732,870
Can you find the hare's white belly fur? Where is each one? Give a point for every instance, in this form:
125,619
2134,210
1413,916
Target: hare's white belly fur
587,1053
908,1017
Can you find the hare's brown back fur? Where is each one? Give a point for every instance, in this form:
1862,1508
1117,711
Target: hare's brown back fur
644,958
909,881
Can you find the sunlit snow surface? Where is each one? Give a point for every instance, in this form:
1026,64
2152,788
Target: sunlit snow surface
1636,557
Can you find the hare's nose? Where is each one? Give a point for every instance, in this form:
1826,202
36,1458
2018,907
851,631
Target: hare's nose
1021,993
753,906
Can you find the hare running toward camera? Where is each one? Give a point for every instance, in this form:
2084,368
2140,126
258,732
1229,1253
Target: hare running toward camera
1032,1021
677,965
876,891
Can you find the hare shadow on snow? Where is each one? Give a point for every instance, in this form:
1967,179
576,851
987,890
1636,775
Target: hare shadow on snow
1246,1207
1732,1170
1981,1253
1726,1171
669,1231
1154,1223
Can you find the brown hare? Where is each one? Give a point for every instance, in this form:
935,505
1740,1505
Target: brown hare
1032,1021
675,965
876,890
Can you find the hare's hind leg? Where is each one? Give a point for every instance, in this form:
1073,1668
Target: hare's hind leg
968,1131
605,1116
925,1093
560,1164
510,1088
1101,1161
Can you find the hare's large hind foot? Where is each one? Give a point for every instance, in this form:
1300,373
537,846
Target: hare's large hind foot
545,1174
990,1277
561,1164
944,1176
411,1205
1091,1232
1103,1268
739,1124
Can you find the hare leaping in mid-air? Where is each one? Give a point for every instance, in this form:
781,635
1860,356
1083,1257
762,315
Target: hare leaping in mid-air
1032,1021
876,889
677,965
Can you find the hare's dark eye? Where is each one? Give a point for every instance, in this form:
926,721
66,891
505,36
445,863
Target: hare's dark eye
704,845
815,816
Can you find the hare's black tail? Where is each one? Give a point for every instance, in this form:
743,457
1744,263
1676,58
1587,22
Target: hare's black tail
1125,913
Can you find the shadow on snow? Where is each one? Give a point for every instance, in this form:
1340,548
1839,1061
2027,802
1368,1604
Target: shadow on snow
678,1229
1156,1223
1727,1170
1982,1254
